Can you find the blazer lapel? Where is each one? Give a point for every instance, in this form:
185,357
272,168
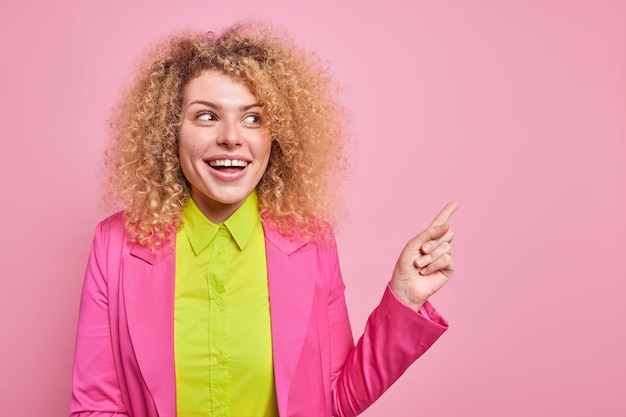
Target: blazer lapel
291,290
148,292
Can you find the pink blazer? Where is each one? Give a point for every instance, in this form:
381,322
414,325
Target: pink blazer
124,361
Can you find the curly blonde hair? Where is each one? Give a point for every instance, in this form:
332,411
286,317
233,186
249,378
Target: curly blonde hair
296,192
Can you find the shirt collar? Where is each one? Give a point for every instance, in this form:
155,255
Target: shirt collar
242,222
201,231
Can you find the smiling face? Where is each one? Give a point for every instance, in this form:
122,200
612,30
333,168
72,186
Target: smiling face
223,145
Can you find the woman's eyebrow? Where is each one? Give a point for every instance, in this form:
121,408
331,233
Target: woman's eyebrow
251,106
205,103
218,107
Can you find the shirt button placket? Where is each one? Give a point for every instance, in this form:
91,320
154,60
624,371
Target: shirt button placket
220,384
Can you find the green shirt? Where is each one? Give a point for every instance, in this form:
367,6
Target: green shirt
222,334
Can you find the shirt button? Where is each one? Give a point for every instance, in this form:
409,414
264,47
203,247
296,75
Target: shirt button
219,300
220,251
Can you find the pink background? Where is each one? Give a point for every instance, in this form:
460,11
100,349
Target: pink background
516,109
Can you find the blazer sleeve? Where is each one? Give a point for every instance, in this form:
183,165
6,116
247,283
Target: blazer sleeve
394,337
95,387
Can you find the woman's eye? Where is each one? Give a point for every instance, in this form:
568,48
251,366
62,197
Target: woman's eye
205,116
252,119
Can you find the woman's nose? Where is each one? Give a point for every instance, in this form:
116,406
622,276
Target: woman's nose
230,134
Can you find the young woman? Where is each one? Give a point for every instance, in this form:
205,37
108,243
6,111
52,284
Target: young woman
216,290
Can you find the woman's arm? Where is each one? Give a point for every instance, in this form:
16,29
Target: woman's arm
401,328
394,337
95,386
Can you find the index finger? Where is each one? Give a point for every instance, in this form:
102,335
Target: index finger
444,215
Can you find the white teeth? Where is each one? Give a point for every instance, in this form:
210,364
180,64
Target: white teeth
228,163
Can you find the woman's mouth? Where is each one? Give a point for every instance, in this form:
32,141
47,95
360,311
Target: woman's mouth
228,165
